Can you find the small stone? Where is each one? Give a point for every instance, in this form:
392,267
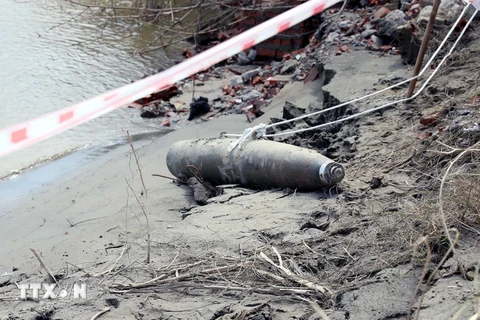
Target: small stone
367,33
289,66
237,80
151,111
251,95
332,37
376,42
344,24
166,123
247,76
376,183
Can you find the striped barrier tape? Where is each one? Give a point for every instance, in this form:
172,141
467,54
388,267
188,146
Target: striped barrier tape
33,131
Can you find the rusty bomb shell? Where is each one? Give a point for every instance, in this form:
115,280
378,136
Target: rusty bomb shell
258,164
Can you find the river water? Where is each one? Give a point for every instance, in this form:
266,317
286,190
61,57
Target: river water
47,64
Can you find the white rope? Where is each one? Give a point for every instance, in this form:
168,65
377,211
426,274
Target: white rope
368,95
391,103
248,133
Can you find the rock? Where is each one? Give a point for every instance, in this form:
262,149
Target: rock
251,95
424,15
289,66
344,24
151,111
237,80
166,107
376,42
382,12
275,65
448,11
387,30
408,45
291,111
367,33
397,17
247,76
376,183
332,37
405,4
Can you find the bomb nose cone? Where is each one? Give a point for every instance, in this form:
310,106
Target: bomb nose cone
331,173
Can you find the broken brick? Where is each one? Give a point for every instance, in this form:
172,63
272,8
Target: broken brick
429,120
256,80
187,54
166,123
344,48
312,76
226,89
274,91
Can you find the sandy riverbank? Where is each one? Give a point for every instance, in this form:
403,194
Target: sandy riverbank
334,238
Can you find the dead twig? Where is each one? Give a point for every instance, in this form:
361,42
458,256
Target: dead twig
50,275
83,221
144,209
272,291
161,279
292,276
440,199
99,314
422,277
169,178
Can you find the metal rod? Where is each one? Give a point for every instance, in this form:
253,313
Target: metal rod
423,48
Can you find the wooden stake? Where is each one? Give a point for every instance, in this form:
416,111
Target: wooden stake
423,47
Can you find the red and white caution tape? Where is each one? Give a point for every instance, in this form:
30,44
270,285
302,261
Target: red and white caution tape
33,131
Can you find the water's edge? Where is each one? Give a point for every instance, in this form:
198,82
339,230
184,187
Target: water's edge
62,166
